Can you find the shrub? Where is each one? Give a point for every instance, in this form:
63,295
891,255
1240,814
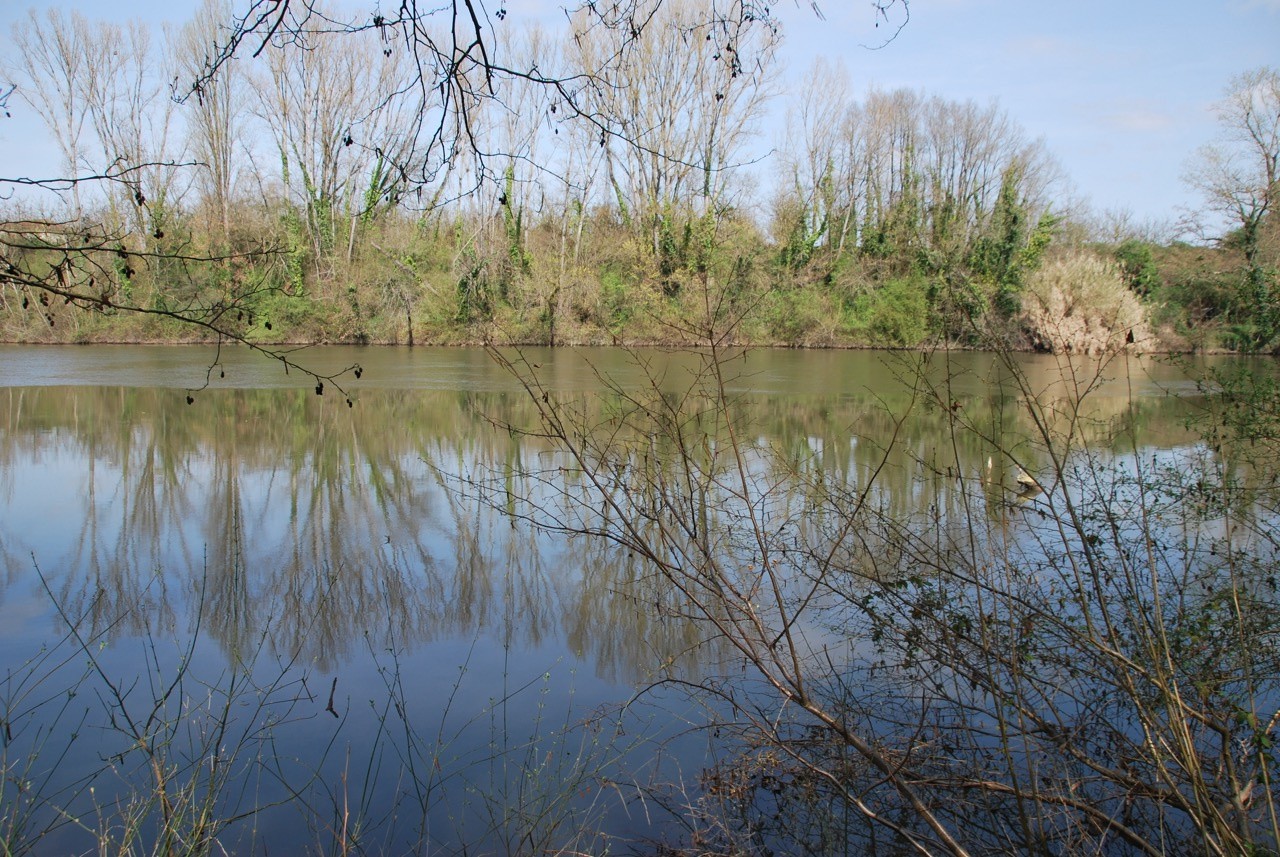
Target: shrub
1138,266
1079,303
895,314
798,316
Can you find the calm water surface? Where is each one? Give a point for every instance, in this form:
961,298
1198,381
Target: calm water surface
418,662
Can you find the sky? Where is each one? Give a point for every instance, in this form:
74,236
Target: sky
1122,93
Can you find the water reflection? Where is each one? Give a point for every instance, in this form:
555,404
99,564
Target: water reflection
328,526
273,512
387,546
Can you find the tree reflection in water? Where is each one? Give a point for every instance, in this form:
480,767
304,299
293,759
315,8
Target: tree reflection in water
360,543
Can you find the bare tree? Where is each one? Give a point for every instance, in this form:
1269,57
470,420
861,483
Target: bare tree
819,204
132,118
97,86
902,177
344,115
216,112
1239,177
682,102
50,78
458,63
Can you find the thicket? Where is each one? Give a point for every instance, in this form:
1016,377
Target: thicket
456,278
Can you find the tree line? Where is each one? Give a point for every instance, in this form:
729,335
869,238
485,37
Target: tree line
599,191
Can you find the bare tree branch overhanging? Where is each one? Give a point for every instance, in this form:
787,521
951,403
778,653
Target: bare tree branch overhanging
460,64
51,265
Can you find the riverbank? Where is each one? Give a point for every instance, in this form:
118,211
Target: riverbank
401,283
1168,344
678,325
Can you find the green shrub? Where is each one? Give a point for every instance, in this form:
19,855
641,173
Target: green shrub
798,316
895,314
1138,267
617,310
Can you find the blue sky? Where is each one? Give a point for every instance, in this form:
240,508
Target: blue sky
1121,92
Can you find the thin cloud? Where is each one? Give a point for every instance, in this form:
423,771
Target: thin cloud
1043,47
1076,52
1139,121
1129,116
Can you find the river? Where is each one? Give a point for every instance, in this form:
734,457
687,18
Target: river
318,603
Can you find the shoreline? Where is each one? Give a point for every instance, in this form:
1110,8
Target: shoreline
1163,348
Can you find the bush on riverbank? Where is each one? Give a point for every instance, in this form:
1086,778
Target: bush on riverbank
1079,304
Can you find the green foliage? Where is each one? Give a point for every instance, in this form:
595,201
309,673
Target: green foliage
795,316
475,298
1215,297
124,274
513,222
673,249
960,306
373,192
875,243
321,218
613,294
800,239
624,211
1030,256
897,313
1138,267
286,316
903,223
1259,329
297,251
1009,250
